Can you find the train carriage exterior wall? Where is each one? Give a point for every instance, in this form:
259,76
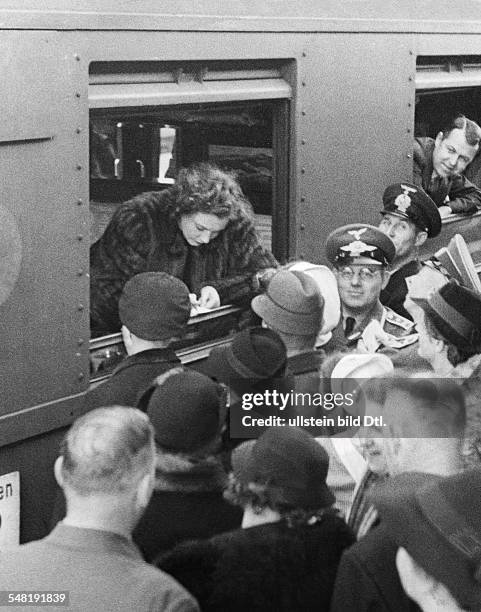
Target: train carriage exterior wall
351,76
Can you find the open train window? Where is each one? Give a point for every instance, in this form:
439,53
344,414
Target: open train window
446,86
149,119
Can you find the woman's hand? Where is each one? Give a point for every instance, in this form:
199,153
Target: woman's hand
209,298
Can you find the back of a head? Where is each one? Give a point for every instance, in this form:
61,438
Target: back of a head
187,410
107,451
155,306
289,464
292,304
424,407
471,129
254,354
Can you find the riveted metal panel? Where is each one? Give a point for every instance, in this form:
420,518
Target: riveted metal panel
44,310
355,116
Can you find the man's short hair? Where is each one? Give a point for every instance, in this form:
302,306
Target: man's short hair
472,131
439,403
107,451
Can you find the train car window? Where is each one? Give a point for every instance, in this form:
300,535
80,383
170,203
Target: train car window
446,86
149,119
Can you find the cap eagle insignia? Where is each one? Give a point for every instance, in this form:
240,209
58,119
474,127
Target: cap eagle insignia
403,201
357,246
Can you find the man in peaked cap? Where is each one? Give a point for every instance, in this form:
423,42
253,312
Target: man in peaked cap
154,309
410,217
361,255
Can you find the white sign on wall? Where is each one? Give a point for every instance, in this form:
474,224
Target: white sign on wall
10,510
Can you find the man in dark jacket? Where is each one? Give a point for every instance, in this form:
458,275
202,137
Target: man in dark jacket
438,166
409,218
416,411
154,309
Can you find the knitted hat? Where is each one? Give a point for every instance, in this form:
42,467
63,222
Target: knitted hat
255,353
185,411
359,240
437,520
292,304
413,203
455,312
287,458
155,306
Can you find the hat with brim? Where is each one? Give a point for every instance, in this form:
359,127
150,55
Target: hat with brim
253,354
434,519
355,240
292,304
289,459
412,203
456,313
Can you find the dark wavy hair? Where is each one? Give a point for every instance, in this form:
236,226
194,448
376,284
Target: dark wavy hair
472,131
205,188
265,495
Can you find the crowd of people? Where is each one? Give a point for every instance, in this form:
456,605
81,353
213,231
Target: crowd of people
369,504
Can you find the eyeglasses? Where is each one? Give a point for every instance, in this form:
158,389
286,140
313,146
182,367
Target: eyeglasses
364,273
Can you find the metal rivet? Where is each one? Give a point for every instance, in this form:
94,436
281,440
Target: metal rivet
77,57
80,341
80,237
79,167
302,256
408,130
303,141
80,272
411,52
302,227
78,130
303,170
80,201
78,354
304,54
303,199
303,83
77,94
410,78
408,155
409,104
303,113
80,307
81,376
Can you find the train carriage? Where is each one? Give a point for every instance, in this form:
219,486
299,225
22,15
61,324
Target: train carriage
315,105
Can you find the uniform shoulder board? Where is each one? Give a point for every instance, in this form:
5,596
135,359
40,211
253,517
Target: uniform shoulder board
396,319
402,342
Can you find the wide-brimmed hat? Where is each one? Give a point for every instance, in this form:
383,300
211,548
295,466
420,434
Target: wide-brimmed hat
155,306
455,312
186,410
292,304
254,354
287,458
411,202
438,521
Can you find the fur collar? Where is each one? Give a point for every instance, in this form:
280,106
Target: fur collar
188,474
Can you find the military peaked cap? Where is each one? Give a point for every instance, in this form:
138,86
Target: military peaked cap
359,240
413,203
